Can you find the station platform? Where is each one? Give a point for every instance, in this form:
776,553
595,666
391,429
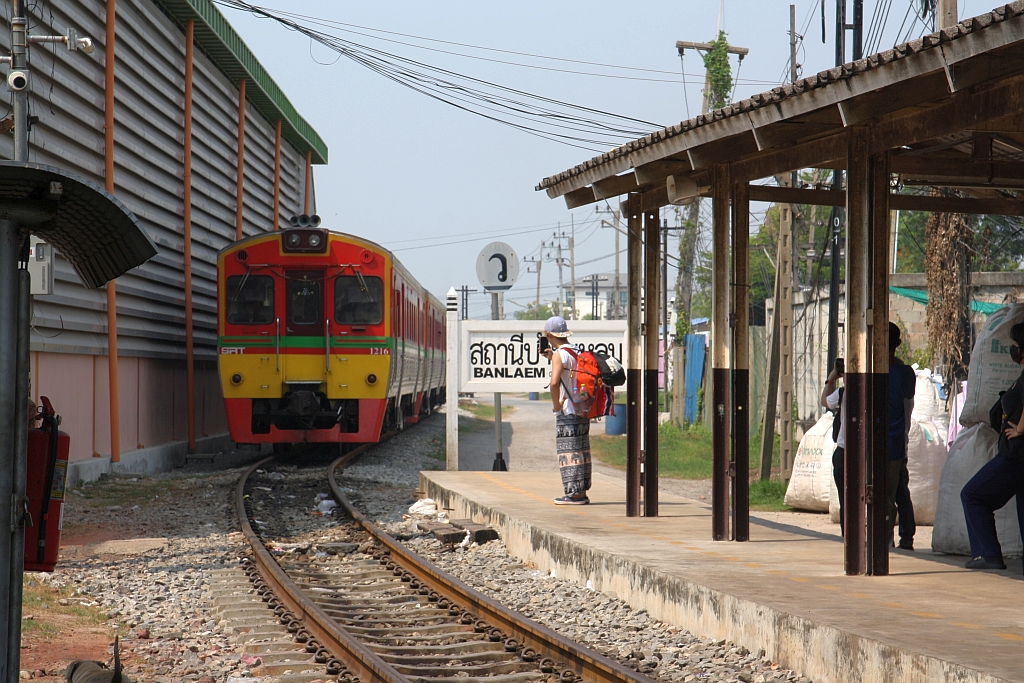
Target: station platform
784,591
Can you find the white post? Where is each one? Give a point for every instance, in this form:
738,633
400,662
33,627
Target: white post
452,382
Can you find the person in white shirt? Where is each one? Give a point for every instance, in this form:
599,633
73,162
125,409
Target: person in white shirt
572,426
835,400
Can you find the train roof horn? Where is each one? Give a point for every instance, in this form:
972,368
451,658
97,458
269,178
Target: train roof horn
304,221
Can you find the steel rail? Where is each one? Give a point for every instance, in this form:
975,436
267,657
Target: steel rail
359,659
589,665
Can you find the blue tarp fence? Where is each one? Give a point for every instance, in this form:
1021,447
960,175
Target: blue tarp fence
695,351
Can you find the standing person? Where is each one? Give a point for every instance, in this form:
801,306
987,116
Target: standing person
835,400
572,426
1002,477
902,387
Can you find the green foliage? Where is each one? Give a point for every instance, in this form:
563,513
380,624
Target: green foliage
716,61
531,312
997,248
768,495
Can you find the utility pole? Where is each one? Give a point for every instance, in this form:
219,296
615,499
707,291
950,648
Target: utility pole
616,308
15,321
572,270
464,291
946,14
560,262
538,262
594,281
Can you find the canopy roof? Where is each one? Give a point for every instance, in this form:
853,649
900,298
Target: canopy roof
949,106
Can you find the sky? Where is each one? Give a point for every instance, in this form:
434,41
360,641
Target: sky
436,184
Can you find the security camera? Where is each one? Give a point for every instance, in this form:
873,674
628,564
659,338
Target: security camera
17,80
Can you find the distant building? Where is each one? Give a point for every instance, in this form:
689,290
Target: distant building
604,307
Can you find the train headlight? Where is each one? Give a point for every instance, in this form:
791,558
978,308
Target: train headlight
236,379
294,240
314,240
371,379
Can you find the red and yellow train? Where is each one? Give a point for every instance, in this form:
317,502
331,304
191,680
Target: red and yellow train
324,337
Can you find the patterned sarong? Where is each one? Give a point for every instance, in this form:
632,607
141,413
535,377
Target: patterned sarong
572,443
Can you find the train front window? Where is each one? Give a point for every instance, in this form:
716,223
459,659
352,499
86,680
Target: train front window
358,300
250,299
304,302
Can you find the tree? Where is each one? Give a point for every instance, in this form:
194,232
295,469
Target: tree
531,312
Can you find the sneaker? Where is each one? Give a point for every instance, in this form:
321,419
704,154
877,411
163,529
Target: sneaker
906,546
570,500
985,563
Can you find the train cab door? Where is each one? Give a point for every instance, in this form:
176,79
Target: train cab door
304,326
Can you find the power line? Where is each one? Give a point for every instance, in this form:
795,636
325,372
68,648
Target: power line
545,117
340,25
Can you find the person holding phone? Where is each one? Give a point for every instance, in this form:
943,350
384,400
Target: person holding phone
572,426
835,401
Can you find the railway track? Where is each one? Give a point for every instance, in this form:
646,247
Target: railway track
387,615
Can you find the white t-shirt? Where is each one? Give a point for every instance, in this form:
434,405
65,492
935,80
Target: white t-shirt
567,380
833,403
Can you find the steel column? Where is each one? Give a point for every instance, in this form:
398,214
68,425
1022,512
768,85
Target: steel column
277,175
634,414
190,379
240,180
19,471
720,188
8,427
878,528
741,362
858,347
652,322
108,134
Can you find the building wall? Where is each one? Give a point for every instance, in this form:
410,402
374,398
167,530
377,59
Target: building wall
69,335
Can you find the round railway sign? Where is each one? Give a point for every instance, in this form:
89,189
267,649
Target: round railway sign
497,267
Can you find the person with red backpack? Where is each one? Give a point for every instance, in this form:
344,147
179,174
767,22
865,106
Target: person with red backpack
572,421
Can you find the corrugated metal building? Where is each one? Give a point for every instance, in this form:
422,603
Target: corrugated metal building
69,336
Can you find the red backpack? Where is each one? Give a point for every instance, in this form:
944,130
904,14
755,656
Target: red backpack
590,387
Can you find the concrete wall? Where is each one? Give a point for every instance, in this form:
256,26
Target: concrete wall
152,401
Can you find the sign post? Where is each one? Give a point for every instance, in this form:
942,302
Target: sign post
497,266
452,383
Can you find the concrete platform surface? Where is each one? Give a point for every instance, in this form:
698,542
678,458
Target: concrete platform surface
784,591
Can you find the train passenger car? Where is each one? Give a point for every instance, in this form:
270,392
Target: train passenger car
324,337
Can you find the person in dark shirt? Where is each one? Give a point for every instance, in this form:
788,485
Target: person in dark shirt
902,386
1002,477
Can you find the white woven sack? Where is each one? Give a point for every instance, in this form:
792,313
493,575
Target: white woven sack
812,469
991,369
973,447
926,456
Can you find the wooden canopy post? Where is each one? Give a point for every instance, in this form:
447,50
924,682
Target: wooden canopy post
634,414
741,362
652,299
858,347
720,188
878,528
190,376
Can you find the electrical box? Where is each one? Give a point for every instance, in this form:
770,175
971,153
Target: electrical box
40,266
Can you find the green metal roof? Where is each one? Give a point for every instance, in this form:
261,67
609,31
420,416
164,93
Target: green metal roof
219,41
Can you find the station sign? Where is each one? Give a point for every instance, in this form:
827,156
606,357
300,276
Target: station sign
497,267
504,355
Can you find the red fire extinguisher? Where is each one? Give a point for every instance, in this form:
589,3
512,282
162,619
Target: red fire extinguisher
48,449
